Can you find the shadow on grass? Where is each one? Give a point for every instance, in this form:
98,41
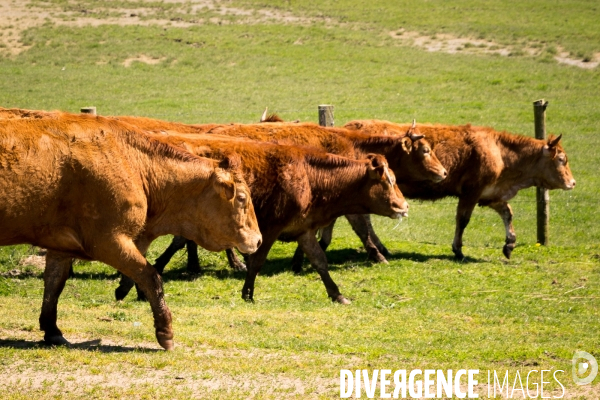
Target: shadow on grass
339,259
420,257
90,345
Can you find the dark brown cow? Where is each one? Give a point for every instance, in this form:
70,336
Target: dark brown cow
485,167
298,190
410,158
96,189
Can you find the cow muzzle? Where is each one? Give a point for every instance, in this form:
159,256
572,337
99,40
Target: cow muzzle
570,185
399,212
251,244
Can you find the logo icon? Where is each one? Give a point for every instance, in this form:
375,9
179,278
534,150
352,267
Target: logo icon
585,368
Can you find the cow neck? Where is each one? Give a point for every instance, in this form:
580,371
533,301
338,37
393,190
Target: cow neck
170,177
338,181
520,156
388,146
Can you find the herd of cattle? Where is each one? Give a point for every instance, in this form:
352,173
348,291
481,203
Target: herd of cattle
103,188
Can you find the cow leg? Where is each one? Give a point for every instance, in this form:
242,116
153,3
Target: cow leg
234,261
177,244
376,241
125,256
193,263
505,211
463,216
318,260
56,274
255,262
126,283
326,236
363,228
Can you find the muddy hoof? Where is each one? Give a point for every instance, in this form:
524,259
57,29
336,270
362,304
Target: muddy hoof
342,300
507,251
56,340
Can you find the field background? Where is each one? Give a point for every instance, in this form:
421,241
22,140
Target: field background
224,61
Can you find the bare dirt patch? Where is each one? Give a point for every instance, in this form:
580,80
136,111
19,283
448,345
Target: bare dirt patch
447,43
19,15
143,59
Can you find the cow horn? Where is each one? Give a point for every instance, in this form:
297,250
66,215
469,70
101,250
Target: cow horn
387,175
553,142
264,116
414,125
415,137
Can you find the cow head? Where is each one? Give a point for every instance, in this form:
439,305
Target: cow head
382,191
556,172
421,162
232,217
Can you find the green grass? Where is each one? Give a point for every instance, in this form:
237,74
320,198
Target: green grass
423,309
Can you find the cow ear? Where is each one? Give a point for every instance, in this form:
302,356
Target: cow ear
353,125
406,144
230,161
377,165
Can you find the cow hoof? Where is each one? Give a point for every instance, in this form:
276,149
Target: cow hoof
384,251
166,344
56,340
239,267
247,298
507,251
121,293
458,254
342,300
378,258
141,296
194,269
297,268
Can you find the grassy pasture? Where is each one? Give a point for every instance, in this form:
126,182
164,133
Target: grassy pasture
423,309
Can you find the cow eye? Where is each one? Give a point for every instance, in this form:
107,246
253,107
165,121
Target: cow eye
561,158
426,150
241,197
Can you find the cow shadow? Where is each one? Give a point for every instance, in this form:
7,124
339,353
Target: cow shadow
338,259
421,257
90,345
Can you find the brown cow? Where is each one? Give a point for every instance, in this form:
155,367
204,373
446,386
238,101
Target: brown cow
297,190
485,167
410,158
96,189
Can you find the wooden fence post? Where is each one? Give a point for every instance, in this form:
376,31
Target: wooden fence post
325,115
542,195
88,110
